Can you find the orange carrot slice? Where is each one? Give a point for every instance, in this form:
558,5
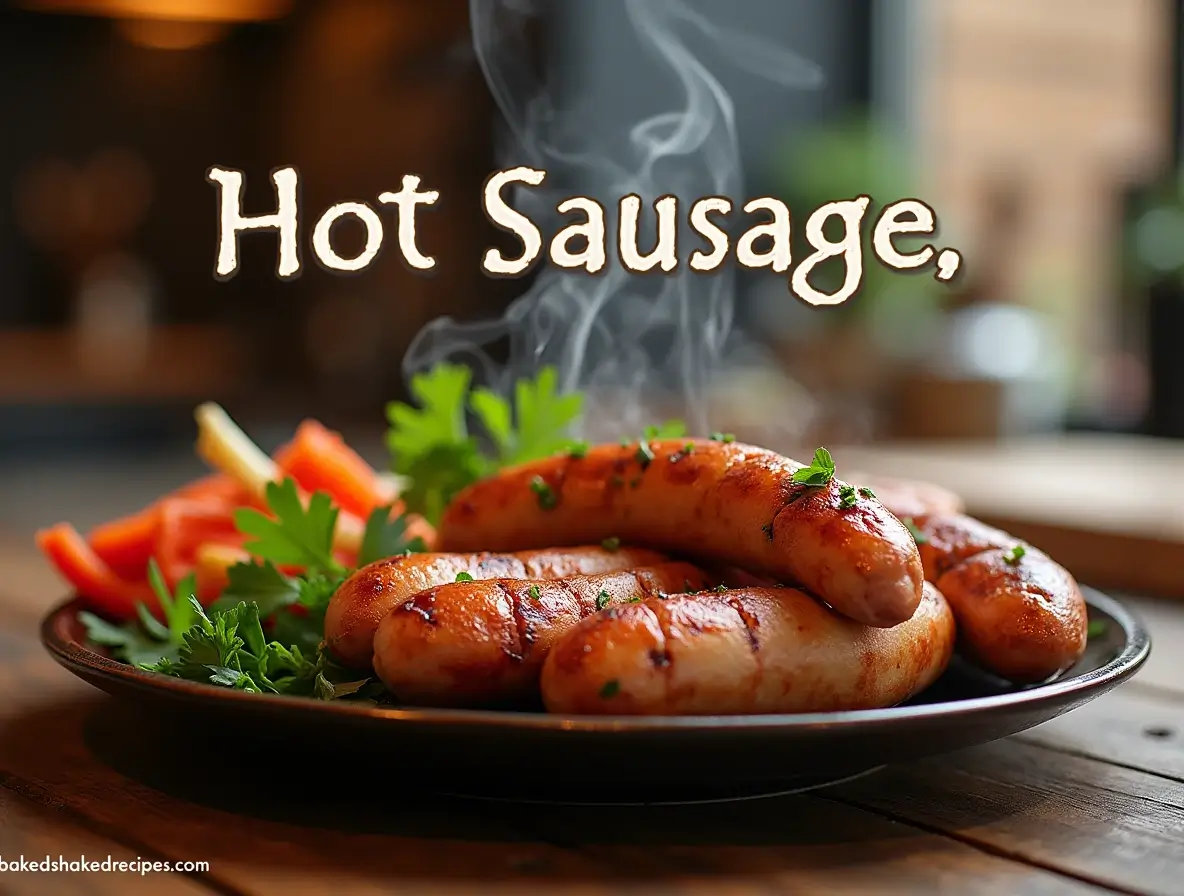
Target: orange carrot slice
96,583
320,460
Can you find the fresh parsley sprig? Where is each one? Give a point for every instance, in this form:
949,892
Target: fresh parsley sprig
264,633
820,471
432,446
297,536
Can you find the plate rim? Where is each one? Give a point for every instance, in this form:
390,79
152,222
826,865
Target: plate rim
78,658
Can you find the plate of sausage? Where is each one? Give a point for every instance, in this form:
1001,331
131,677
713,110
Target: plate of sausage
675,620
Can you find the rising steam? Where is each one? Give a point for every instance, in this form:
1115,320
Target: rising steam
638,345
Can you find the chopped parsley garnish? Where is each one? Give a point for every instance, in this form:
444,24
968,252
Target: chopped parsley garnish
1013,556
611,544
546,494
534,592
635,599
725,437
463,577
644,454
819,472
578,450
721,588
1096,629
602,599
866,492
918,536
847,496
611,688
688,448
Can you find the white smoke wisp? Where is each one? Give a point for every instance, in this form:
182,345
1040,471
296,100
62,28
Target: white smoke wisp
636,344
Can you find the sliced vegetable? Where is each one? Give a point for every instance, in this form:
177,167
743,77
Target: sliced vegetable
320,461
95,581
185,525
126,544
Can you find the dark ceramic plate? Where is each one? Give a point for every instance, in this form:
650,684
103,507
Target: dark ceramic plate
535,756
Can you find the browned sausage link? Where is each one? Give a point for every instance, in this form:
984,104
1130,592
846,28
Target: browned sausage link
370,593
1020,615
753,650
729,503
909,497
1024,620
483,643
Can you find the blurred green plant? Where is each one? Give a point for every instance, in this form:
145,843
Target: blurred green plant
1153,235
852,156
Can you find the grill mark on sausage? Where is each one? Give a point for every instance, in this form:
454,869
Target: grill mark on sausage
751,625
666,664
519,624
646,585
423,605
798,492
579,598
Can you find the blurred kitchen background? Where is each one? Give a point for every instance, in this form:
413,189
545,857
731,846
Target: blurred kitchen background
1047,135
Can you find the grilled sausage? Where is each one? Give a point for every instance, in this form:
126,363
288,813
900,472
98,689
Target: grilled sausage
754,650
728,503
483,643
910,497
1020,615
369,594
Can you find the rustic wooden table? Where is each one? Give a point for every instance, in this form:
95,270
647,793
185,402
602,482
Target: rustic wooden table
1091,802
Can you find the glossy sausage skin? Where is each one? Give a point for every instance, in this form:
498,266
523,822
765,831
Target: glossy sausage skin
910,497
728,503
1023,620
370,593
483,643
753,650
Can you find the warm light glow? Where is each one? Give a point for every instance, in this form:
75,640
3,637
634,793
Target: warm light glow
168,34
178,10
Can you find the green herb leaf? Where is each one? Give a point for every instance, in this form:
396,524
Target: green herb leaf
1096,629
671,429
578,450
547,497
644,454
819,472
847,496
262,583
918,536
611,544
534,592
386,537
611,688
544,417
297,536
1013,556
866,492
418,432
128,643
463,577
603,599
725,437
